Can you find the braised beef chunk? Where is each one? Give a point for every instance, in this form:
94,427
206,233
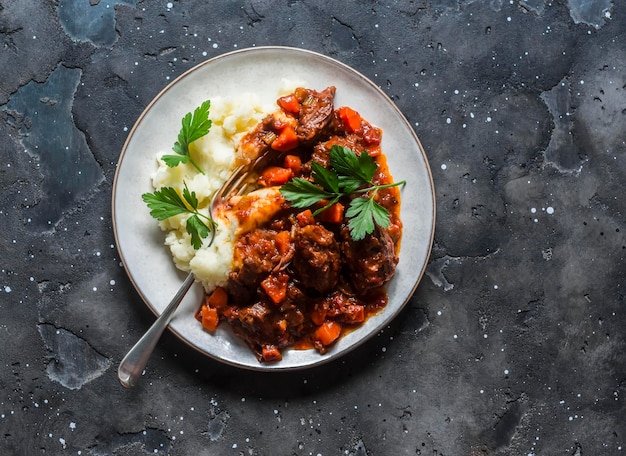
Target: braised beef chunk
317,261
316,111
371,261
255,142
258,254
345,308
263,329
254,315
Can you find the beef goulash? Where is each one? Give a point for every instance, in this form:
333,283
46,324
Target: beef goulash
299,277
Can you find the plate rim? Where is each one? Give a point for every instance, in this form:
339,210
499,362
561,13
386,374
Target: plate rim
272,367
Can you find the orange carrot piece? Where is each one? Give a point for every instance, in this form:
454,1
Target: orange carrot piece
305,217
274,175
350,118
374,151
275,286
294,163
327,333
283,242
210,318
334,214
286,140
289,103
270,353
318,314
218,299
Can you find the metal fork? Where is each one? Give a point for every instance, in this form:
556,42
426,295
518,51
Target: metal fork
135,361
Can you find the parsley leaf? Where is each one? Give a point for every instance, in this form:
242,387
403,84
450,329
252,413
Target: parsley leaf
347,175
164,203
194,126
303,193
346,162
197,229
167,202
363,213
328,179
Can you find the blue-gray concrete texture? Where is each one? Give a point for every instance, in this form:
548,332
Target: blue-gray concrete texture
513,343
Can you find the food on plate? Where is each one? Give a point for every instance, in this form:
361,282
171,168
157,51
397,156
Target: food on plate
304,257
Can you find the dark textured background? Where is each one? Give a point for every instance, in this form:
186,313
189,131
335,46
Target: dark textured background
513,343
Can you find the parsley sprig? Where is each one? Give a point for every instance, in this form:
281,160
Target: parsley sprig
194,126
348,174
167,202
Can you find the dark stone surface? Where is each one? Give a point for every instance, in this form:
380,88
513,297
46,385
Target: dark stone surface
513,344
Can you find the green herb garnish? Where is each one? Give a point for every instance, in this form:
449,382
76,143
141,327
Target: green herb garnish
167,202
193,127
348,174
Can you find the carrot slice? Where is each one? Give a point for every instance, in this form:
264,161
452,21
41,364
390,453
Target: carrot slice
275,286
210,318
286,140
318,313
289,103
327,333
350,118
270,353
334,214
218,299
274,175
283,242
305,217
294,163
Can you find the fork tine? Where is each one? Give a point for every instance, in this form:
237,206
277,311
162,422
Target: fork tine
234,179
233,185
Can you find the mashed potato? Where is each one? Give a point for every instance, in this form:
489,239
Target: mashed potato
215,154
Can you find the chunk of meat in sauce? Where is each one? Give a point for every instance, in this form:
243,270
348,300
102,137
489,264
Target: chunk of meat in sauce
257,253
317,260
316,112
263,330
268,327
345,308
371,261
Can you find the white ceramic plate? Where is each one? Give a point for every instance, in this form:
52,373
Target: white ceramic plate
260,70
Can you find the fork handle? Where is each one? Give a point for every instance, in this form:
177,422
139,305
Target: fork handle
135,361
